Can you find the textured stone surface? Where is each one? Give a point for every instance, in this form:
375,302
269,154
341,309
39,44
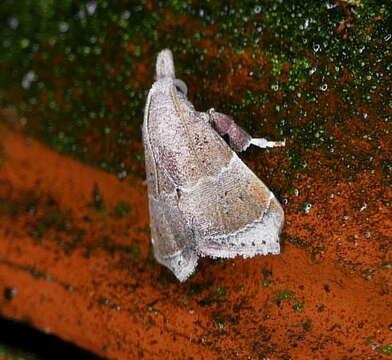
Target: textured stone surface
78,262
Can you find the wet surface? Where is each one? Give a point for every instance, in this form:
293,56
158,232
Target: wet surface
74,239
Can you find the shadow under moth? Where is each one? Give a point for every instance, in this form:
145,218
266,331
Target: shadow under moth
203,200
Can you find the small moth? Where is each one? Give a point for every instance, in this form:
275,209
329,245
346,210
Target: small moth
203,200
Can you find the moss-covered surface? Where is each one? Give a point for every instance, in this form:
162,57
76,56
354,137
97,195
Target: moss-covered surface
79,71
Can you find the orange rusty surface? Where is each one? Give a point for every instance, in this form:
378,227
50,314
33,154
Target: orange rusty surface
77,276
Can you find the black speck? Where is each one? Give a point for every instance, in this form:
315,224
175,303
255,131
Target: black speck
9,293
104,301
178,191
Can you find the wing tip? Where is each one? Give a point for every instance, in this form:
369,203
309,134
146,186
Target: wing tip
182,264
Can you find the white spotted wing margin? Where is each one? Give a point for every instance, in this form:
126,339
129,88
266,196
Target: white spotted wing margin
203,200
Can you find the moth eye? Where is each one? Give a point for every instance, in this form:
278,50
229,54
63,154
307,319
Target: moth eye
181,86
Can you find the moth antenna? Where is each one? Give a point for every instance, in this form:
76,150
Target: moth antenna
264,143
165,65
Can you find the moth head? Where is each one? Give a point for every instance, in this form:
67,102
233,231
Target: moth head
165,65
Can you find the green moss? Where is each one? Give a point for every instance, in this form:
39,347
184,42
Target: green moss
220,292
386,265
297,306
219,321
135,252
283,295
387,349
79,77
307,325
194,289
266,282
287,295
295,240
122,208
267,278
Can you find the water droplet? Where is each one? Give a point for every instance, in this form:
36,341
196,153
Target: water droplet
257,9
91,6
312,71
122,175
307,208
126,15
388,37
28,79
324,87
81,14
295,191
13,23
63,27
330,6
316,48
363,207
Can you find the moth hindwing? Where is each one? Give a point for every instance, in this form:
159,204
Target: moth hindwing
203,200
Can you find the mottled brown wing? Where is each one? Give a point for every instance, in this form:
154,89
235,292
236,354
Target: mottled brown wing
172,239
233,214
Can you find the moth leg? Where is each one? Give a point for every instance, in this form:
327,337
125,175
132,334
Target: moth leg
239,139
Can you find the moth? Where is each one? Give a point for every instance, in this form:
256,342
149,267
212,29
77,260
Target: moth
203,200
